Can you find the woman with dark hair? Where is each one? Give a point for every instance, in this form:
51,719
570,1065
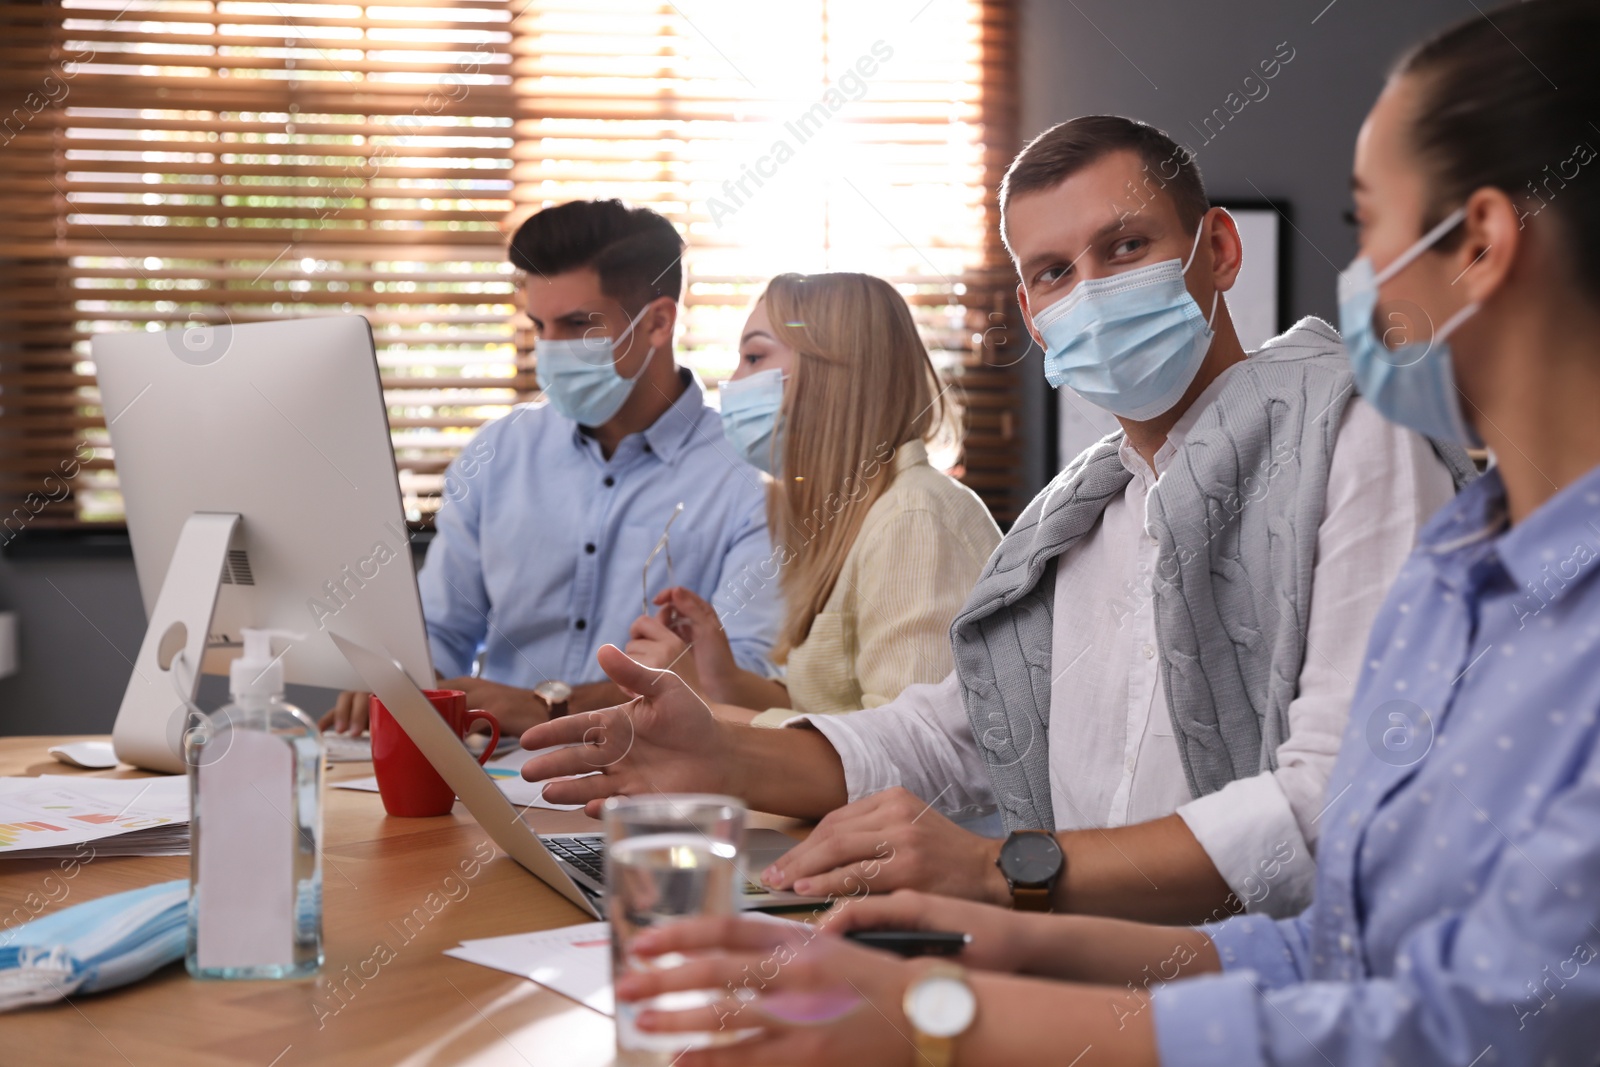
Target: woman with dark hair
1457,909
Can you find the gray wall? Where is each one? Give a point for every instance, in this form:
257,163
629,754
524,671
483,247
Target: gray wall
1289,139
79,625
1169,63
76,621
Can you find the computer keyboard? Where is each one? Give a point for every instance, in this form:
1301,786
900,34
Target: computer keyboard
587,852
342,748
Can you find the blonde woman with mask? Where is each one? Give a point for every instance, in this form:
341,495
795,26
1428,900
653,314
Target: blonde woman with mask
875,550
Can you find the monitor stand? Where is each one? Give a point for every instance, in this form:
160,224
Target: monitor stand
155,708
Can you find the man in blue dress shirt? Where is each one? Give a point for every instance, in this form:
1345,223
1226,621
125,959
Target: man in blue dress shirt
548,533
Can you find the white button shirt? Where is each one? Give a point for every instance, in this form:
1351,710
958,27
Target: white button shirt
1113,757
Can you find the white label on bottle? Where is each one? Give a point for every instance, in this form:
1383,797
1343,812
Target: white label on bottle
246,854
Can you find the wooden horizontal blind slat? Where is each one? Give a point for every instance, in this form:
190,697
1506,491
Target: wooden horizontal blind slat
182,162
248,162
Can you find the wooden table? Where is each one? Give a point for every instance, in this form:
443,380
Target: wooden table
420,1008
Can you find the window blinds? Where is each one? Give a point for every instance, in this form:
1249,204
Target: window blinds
176,162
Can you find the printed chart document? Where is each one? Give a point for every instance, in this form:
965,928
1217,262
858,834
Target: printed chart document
44,817
575,961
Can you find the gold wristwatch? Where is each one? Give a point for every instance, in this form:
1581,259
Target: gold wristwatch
940,1006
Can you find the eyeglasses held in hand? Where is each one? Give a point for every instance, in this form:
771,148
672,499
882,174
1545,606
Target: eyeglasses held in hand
662,546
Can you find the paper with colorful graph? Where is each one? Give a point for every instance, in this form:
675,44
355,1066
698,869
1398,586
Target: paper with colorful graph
53,815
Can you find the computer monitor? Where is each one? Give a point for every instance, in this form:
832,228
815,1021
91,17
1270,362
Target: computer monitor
260,487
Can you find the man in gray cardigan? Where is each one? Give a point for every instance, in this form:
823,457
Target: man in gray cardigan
1156,665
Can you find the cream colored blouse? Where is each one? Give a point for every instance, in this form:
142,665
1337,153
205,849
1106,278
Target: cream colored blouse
886,624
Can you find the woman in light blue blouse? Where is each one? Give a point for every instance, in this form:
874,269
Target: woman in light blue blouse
1457,913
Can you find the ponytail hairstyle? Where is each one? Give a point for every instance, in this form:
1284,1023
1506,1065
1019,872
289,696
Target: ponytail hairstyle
1511,100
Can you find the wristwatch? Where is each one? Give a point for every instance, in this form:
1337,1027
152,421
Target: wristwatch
556,694
1032,863
940,1007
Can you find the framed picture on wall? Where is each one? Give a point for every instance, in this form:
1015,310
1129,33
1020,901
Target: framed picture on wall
1258,303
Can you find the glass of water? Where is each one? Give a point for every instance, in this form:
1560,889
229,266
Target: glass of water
668,857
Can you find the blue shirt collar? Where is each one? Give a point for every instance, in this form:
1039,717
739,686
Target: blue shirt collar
1560,540
677,427
1558,546
671,433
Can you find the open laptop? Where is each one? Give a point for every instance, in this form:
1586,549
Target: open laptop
571,864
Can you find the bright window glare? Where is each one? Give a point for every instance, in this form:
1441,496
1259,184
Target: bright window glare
373,159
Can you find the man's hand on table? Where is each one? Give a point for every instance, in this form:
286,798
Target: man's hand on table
891,840
514,709
348,714
664,740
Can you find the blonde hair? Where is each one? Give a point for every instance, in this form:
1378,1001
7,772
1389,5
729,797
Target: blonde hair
862,385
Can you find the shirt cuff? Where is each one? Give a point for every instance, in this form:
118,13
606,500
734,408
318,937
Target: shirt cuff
1251,834
866,769
773,717
1208,1022
1254,943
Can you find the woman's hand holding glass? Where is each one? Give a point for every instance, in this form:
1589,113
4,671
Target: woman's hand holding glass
804,997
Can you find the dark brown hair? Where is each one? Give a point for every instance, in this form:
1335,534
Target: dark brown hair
1066,148
637,252
1506,100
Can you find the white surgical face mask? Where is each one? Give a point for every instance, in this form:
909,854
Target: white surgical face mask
579,375
1130,343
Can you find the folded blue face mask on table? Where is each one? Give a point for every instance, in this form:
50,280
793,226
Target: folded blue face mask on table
95,946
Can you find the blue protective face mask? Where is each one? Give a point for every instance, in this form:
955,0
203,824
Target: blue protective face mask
1413,385
89,947
580,377
1129,343
750,409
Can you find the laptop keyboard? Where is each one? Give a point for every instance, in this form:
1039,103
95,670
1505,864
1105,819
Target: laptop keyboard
587,852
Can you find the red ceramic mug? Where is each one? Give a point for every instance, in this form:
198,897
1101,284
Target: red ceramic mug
406,780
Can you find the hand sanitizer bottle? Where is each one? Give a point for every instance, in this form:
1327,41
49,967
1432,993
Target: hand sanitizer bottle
255,794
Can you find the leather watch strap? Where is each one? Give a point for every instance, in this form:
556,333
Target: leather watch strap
1030,898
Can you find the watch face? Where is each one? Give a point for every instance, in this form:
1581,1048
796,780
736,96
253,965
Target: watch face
554,692
1030,859
941,1006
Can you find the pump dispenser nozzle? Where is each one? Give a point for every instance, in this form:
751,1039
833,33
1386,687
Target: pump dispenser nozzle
257,672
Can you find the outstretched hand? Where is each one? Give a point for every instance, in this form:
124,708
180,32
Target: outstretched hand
663,740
